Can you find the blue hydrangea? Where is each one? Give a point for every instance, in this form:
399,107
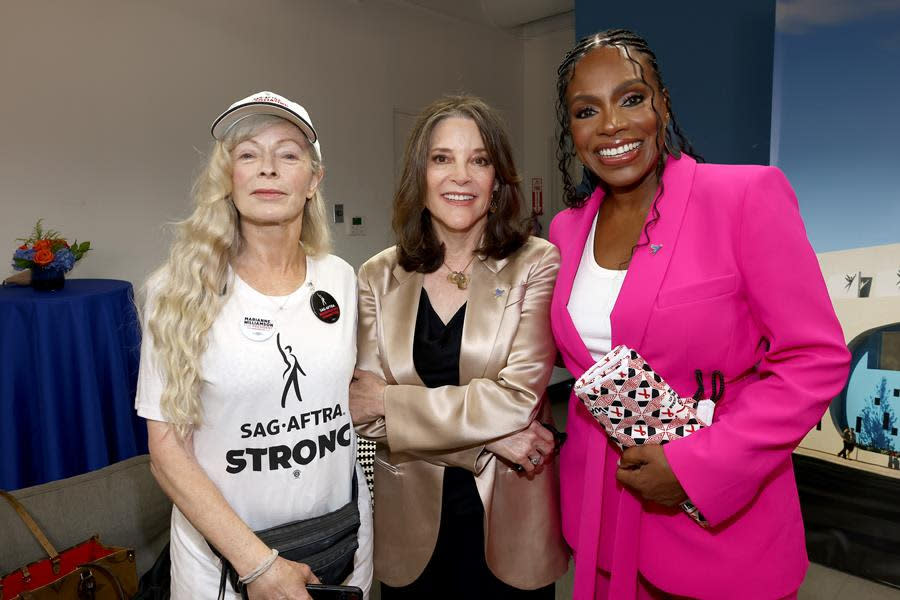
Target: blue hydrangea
64,260
23,255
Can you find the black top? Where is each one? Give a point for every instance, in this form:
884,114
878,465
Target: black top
436,348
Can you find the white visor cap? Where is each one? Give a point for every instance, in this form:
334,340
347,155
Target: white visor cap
267,103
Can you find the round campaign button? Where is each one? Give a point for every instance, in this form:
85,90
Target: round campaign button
257,326
324,306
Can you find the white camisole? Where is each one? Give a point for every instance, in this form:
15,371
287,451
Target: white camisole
594,294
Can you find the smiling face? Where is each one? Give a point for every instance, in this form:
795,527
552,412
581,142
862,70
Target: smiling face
459,177
273,176
615,130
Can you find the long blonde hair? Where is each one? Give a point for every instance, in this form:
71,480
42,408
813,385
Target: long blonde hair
186,293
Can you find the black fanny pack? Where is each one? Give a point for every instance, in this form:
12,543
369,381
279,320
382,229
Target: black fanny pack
326,543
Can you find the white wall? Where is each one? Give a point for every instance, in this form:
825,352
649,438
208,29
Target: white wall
106,105
544,45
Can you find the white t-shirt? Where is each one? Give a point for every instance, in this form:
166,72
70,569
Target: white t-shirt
594,294
276,437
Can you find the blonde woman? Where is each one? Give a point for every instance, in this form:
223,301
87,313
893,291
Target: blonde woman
249,347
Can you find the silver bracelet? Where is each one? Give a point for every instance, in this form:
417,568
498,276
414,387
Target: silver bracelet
258,571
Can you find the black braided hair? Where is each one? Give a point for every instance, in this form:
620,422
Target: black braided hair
675,143
675,139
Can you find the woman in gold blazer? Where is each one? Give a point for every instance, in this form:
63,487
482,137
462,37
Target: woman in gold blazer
466,488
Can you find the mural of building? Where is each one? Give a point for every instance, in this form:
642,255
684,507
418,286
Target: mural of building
864,284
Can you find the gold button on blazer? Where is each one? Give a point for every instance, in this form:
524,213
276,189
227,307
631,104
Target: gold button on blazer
505,361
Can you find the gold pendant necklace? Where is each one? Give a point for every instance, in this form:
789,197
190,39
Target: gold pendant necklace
459,277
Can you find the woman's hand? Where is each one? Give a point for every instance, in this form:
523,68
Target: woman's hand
366,397
526,448
285,579
645,470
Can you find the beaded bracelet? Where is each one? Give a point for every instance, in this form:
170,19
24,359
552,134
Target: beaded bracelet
258,571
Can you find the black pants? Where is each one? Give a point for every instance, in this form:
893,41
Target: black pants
457,568
847,448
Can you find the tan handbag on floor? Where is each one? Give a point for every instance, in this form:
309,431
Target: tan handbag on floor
87,571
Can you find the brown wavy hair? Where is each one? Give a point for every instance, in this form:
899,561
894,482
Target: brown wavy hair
418,247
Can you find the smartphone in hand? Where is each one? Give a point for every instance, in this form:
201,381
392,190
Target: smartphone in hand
320,591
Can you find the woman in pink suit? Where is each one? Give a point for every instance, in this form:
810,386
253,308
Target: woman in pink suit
698,267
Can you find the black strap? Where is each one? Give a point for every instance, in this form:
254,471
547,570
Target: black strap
223,578
698,395
718,386
717,391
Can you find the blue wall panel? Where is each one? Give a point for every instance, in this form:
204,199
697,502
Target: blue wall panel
716,58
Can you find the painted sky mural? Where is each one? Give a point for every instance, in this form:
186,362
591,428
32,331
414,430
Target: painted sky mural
836,117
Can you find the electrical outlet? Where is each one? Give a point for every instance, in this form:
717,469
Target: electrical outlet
357,227
338,213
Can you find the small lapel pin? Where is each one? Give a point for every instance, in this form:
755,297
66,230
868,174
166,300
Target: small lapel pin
499,293
654,248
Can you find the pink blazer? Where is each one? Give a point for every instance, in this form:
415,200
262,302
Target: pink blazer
734,286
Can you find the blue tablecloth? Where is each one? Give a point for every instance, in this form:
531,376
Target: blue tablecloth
68,372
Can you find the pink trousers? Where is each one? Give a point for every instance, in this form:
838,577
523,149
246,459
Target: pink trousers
645,590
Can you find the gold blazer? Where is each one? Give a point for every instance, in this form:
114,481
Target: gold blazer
505,361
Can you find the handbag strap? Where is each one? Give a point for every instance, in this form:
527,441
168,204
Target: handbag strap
32,526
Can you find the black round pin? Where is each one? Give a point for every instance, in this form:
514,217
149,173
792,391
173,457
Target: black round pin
325,307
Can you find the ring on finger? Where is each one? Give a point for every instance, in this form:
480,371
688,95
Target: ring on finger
535,460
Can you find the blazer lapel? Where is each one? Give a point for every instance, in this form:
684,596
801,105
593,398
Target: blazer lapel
575,240
399,307
484,314
651,259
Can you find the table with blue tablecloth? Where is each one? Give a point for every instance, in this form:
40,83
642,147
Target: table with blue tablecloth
68,373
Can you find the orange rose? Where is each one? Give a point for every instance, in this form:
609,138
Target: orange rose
42,245
23,247
43,256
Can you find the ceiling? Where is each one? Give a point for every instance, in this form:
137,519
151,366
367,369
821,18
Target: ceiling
498,13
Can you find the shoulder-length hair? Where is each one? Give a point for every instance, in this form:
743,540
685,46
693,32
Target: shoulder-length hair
418,247
185,294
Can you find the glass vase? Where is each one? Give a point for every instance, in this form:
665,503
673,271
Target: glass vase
47,280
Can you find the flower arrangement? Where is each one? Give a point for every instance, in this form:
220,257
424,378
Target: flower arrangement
46,249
